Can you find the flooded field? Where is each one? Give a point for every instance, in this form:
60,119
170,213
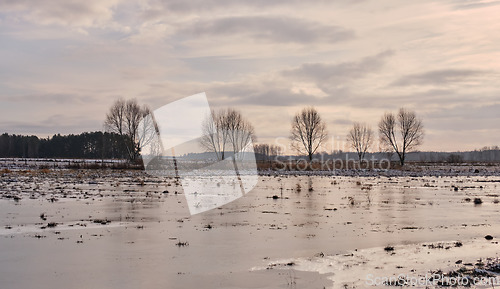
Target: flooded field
125,229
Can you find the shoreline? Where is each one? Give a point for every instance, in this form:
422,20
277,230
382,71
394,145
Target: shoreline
418,265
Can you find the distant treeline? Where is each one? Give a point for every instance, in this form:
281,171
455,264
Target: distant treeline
486,154
88,145
97,145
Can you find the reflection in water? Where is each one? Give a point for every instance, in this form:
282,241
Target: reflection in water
245,233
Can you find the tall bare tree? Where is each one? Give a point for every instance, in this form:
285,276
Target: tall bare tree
360,138
401,133
308,131
226,130
124,118
240,131
214,137
148,134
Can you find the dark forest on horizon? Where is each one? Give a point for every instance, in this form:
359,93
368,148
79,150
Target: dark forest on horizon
87,145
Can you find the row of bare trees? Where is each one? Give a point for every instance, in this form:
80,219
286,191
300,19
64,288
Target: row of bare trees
266,151
400,133
226,130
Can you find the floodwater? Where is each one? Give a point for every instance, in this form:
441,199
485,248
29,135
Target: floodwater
105,229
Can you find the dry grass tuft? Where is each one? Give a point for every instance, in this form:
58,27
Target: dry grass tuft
5,171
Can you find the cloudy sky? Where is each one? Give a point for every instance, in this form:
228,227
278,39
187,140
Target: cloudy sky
64,62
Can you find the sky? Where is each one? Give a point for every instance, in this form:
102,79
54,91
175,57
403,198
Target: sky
64,62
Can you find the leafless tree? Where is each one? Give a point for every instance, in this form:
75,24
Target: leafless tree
308,131
241,132
214,137
275,150
148,135
226,130
360,138
402,133
266,151
124,118
115,118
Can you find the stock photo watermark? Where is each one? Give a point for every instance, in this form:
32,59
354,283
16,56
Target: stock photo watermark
332,155
432,279
224,166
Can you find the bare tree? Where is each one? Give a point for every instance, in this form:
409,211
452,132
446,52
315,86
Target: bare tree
266,151
402,133
214,137
226,130
308,131
124,118
261,151
240,131
115,118
148,134
360,138
275,150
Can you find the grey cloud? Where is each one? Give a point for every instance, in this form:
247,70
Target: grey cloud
51,98
268,94
413,98
322,72
342,121
439,77
463,125
473,4
271,29
470,113
279,93
52,125
204,5
64,12
192,6
421,100
276,94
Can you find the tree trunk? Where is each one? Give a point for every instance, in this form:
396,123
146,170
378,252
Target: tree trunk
402,160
